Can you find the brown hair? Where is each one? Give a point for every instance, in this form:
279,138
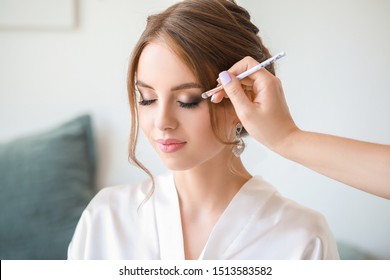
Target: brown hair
209,36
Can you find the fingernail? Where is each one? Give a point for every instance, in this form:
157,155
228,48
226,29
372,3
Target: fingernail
212,98
224,77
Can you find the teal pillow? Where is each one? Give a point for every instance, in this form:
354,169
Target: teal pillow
46,180
348,251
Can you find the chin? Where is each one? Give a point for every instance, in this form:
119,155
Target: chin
177,166
180,163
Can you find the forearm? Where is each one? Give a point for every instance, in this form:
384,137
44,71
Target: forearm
362,165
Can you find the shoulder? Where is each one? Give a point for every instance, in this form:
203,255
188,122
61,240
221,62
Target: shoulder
131,196
283,218
114,221
119,194
287,214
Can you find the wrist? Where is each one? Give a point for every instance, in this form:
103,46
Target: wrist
286,147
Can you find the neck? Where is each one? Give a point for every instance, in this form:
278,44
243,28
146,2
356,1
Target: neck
211,185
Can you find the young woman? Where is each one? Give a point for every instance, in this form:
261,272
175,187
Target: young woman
209,206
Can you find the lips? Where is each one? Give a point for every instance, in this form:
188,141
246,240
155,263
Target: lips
170,145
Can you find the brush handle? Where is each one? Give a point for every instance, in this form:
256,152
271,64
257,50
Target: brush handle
264,64
245,74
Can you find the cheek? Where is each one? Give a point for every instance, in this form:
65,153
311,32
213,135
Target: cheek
145,120
198,126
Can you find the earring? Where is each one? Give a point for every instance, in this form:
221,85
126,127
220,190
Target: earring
239,147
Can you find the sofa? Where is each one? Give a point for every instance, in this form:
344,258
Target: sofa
46,180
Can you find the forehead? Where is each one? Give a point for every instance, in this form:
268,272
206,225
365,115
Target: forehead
158,65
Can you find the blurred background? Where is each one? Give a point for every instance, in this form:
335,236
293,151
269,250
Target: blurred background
66,60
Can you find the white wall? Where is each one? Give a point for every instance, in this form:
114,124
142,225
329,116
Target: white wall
335,78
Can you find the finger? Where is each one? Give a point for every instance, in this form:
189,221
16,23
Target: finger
266,83
218,96
244,64
235,92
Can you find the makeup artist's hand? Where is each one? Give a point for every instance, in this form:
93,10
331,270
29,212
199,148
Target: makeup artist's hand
261,107
263,111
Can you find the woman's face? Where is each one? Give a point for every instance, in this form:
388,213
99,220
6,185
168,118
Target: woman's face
172,113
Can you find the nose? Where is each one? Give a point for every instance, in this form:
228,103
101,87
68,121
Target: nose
165,118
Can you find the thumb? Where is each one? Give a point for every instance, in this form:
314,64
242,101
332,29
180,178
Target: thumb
235,92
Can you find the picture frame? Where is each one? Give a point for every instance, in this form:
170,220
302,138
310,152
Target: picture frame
38,14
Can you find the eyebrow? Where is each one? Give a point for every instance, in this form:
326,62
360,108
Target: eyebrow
175,88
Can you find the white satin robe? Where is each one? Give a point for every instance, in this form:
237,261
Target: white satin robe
257,224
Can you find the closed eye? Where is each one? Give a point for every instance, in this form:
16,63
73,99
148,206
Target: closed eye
146,102
190,105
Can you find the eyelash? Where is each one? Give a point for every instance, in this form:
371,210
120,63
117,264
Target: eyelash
190,105
146,102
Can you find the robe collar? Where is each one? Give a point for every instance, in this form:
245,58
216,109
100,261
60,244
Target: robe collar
229,226
168,219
